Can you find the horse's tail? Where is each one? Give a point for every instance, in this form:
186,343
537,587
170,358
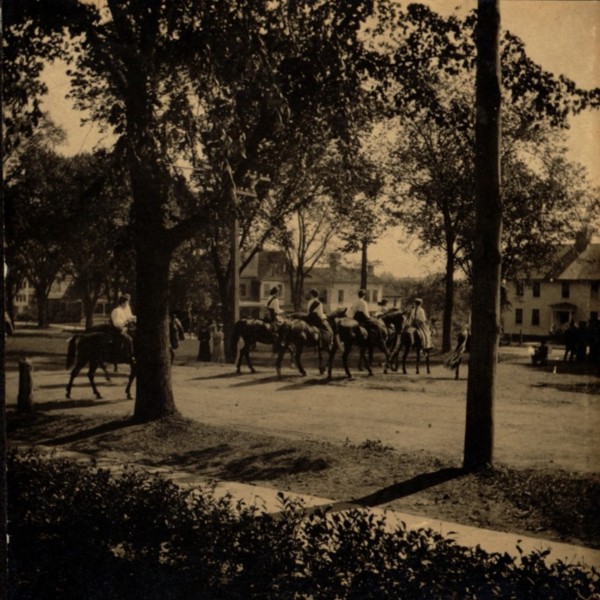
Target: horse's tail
72,351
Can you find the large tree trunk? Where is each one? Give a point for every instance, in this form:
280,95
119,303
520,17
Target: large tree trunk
154,395
479,432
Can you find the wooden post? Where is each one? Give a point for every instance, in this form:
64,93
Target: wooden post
25,397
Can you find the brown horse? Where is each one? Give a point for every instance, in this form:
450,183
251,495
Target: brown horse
97,348
251,331
412,339
297,333
349,333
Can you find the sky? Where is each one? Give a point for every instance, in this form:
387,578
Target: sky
563,36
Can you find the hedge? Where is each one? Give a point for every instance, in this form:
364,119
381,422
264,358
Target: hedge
82,533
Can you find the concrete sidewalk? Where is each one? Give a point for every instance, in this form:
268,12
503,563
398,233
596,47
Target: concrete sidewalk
269,501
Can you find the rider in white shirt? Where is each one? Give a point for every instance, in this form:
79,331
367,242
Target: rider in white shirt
318,318
120,317
273,308
360,307
418,319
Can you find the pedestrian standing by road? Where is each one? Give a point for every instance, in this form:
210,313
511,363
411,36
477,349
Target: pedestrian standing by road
218,338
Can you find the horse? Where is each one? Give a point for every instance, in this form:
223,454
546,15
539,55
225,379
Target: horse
97,348
393,322
412,338
462,346
251,331
349,333
299,334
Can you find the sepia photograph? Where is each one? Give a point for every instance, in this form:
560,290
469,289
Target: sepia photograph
301,299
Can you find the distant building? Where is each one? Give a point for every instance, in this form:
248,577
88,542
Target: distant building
265,271
567,290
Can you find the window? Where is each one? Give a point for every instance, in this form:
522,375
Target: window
266,289
594,290
536,289
519,288
519,316
535,316
243,290
323,296
565,289
340,296
594,315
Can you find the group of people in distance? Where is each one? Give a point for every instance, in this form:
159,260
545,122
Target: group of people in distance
359,311
211,340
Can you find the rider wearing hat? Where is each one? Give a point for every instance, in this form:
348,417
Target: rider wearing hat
360,312
318,318
274,311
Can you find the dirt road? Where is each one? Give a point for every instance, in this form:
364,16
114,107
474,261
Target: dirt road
542,418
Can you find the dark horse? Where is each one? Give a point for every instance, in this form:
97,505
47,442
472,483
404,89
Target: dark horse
299,334
412,339
349,333
96,348
462,346
251,331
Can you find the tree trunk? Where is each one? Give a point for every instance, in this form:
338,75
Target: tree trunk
448,301
41,299
363,265
154,394
479,432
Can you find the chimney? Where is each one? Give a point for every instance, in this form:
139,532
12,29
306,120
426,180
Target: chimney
334,260
582,238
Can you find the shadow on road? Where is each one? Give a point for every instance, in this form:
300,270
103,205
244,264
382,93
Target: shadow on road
91,432
396,491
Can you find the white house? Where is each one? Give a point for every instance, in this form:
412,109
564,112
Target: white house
568,290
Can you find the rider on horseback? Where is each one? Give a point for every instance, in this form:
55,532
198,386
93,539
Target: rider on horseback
120,318
359,311
418,320
318,318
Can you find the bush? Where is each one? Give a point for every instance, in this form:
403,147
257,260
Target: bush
81,533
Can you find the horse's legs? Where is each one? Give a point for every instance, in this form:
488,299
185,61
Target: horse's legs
132,374
404,355
427,362
345,354
299,349
418,358
361,359
74,372
246,350
456,372
369,361
280,354
334,348
106,375
91,373
321,366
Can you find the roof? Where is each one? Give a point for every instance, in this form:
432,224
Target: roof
569,264
585,265
339,274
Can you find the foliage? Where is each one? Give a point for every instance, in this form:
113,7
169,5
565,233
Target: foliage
82,533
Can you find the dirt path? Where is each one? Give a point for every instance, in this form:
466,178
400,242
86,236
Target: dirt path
543,419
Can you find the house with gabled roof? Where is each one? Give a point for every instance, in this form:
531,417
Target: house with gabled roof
568,290
264,271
